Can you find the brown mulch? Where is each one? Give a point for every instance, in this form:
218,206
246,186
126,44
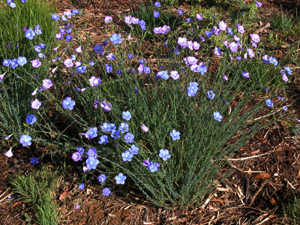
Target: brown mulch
266,172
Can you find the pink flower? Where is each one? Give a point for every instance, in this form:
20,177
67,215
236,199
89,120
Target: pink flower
36,63
36,104
68,62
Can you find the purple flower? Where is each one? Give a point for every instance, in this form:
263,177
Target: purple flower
25,140
120,179
164,154
116,39
217,51
222,25
174,75
269,103
94,81
175,135
233,47
107,106
106,192
192,90
288,70
255,37
36,63
155,14
31,119
8,153
129,137
182,42
240,28
108,19
217,116
102,178
199,16
246,74
180,12
81,186
258,4
67,103
144,128
81,69
76,156
47,83
36,104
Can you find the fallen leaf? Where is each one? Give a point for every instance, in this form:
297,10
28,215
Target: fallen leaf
63,195
262,176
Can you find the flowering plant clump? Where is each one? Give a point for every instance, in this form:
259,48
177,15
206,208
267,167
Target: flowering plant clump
160,118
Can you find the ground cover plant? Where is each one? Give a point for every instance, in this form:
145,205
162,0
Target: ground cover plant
164,118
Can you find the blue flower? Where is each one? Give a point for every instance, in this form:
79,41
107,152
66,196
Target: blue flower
120,179
31,119
81,69
37,30
55,17
108,68
29,34
106,127
6,62
92,152
157,4
129,137
164,154
126,115
175,135
202,69
273,61
34,161
81,186
68,103
115,134
103,139
288,70
180,12
102,178
91,163
91,133
210,94
69,38
14,63
80,150
106,192
98,49
155,14
153,167
25,140
116,39
22,60
134,150
124,127
127,156
217,116
269,103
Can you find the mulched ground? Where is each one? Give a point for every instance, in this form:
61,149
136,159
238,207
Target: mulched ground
266,172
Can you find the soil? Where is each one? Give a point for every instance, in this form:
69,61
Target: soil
266,172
